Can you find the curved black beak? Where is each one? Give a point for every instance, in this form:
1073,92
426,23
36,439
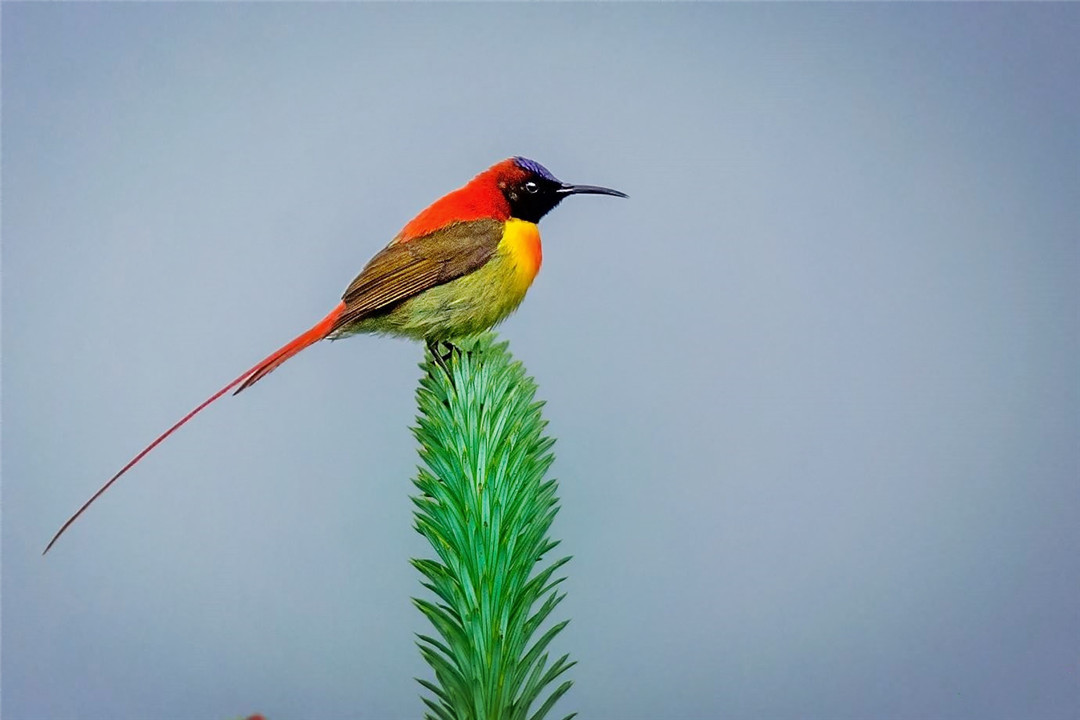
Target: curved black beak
566,189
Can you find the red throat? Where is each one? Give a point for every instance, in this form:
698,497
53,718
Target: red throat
481,198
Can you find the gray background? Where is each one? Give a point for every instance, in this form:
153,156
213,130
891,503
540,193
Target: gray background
815,384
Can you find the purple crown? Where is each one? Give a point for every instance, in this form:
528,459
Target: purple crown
535,168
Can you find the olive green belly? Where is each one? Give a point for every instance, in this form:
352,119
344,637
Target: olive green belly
470,304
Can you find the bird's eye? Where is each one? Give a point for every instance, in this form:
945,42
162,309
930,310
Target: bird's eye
531,187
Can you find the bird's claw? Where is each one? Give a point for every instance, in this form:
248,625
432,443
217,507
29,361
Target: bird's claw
443,359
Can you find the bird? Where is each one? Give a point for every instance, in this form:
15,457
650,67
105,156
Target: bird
460,267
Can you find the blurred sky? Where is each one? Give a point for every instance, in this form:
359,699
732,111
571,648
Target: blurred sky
815,385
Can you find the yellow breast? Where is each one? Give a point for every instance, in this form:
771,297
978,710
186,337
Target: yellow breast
521,244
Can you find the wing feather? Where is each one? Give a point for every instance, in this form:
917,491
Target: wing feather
403,270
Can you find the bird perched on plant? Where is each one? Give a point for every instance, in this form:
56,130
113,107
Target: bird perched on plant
459,267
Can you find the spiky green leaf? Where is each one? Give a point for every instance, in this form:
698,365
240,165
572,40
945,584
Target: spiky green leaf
486,508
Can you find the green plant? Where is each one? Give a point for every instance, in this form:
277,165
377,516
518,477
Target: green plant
485,507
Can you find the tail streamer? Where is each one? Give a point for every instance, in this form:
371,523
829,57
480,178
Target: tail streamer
319,331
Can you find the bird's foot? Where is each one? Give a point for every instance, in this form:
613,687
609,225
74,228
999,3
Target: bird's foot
442,359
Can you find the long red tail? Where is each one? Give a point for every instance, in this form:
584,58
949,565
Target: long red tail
319,331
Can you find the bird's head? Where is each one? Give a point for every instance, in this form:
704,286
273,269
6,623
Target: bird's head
514,188
532,191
